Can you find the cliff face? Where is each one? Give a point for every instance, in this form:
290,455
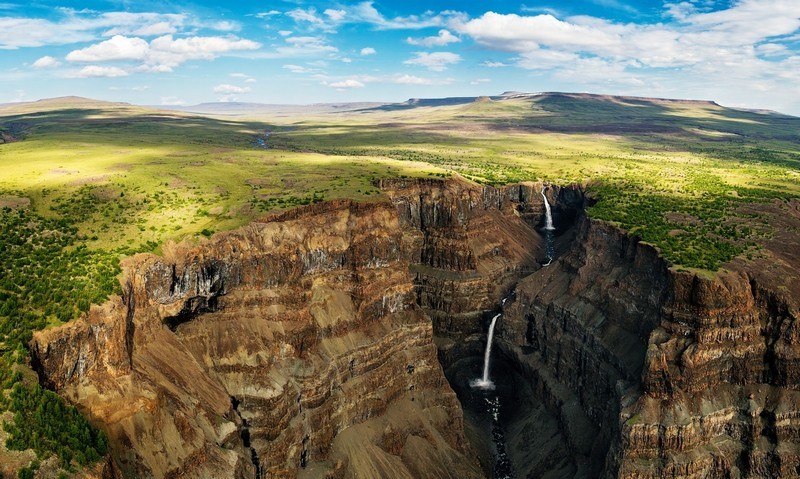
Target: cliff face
473,244
577,331
721,381
303,346
290,348
650,372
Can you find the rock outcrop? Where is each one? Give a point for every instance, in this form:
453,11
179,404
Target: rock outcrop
289,348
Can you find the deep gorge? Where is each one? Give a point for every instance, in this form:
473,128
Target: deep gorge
320,342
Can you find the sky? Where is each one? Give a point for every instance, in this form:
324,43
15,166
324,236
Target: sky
740,53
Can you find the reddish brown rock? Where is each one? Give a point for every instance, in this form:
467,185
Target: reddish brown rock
259,352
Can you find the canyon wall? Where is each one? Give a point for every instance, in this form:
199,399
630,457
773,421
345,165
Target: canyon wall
646,371
289,348
309,345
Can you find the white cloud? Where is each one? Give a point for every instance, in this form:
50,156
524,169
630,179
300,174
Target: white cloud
170,52
309,18
443,38
415,80
116,48
228,89
75,26
285,33
300,69
268,14
138,24
46,62
346,60
335,15
366,12
95,71
226,26
513,32
345,84
480,81
243,76
306,45
33,32
772,49
436,61
368,51
492,64
162,54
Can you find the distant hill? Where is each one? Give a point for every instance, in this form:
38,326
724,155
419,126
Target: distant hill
254,109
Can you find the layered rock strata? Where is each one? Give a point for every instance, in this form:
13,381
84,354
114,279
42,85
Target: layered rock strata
303,346
289,348
647,371
721,383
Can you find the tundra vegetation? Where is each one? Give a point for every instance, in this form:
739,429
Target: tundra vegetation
87,183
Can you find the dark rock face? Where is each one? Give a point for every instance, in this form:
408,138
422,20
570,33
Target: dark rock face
310,345
578,331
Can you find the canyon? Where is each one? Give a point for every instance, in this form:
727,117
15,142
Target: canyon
337,340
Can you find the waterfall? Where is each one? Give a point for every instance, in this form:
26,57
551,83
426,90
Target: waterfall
548,231
484,382
548,220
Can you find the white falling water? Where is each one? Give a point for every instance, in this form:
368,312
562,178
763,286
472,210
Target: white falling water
548,219
484,382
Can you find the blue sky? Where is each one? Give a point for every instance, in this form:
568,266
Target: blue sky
742,53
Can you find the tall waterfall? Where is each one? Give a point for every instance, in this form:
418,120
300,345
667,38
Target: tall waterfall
484,382
548,219
549,248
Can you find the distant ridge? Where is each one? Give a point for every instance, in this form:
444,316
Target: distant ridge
243,108
256,109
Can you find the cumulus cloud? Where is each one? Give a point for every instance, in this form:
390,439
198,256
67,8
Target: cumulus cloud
443,38
96,71
227,89
479,81
364,12
368,51
46,62
347,84
436,61
335,15
74,26
117,48
161,54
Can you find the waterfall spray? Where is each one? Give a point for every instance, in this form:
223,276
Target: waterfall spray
484,382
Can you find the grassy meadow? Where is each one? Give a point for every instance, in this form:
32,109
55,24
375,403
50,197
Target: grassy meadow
84,183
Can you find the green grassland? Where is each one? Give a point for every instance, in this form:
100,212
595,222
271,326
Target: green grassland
86,183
